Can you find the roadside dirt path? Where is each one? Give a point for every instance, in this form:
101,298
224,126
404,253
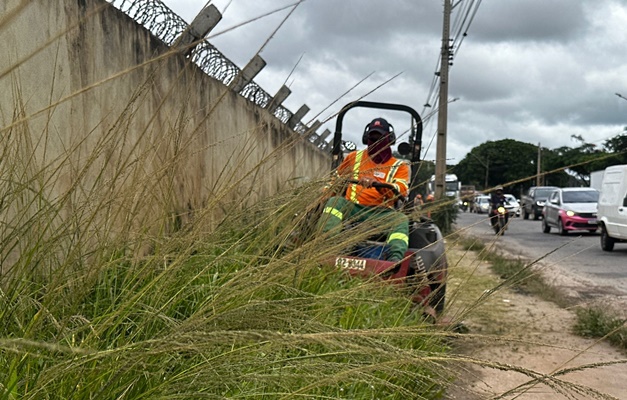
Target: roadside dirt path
525,341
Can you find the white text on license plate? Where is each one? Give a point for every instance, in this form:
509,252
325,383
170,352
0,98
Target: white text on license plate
350,263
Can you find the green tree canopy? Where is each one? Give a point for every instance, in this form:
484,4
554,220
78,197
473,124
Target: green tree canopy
505,162
513,164
618,147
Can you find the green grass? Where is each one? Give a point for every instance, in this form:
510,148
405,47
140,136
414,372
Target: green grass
595,322
213,319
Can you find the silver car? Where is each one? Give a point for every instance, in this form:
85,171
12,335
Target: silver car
482,204
513,205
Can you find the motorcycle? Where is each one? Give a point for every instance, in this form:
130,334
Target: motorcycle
499,217
464,206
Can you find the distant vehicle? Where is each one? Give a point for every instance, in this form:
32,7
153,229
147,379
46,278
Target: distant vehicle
596,179
499,216
452,187
571,209
481,204
533,201
467,194
612,208
512,205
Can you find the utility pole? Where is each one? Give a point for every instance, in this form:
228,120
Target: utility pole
440,158
540,180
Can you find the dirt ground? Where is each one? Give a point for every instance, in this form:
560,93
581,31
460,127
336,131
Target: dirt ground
525,344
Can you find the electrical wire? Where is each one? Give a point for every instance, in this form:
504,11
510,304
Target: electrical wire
461,25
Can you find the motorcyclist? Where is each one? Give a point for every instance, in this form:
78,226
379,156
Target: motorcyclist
362,201
497,198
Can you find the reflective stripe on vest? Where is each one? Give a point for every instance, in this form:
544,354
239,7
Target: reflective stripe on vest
334,212
352,187
390,177
399,236
393,170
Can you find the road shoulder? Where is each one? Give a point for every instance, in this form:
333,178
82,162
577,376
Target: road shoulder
523,340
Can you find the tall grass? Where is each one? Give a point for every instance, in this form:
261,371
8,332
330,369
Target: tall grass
221,314
110,288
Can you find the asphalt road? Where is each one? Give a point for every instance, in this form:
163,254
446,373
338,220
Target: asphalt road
578,254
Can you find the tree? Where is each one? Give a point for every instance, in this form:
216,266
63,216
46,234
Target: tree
506,162
580,161
618,147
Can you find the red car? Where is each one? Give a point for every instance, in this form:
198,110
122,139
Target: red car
571,209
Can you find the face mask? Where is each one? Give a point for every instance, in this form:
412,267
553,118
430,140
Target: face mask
379,150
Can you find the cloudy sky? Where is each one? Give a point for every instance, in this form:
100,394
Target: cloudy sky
537,71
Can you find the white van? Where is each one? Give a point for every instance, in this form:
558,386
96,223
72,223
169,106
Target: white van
612,207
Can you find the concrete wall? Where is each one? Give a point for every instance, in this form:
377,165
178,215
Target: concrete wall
96,114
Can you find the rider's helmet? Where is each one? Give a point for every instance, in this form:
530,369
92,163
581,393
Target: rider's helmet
499,189
430,197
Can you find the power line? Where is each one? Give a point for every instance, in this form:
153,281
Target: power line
463,20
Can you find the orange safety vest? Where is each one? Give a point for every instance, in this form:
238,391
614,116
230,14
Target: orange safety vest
358,164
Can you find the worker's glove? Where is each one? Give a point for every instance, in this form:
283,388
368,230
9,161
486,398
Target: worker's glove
366,182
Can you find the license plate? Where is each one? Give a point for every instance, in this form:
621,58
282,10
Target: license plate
350,263
592,221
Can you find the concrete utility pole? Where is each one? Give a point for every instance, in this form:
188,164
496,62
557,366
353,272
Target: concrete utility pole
540,180
440,157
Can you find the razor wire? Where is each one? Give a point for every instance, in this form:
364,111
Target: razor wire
167,26
154,16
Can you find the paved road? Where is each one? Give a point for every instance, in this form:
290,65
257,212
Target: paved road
578,254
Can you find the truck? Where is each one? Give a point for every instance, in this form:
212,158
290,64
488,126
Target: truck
596,179
452,187
612,207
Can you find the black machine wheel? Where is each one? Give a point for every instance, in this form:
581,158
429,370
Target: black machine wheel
525,213
607,242
545,227
438,296
560,228
536,214
498,224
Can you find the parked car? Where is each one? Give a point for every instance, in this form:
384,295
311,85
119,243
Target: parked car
612,214
513,205
571,209
481,204
533,202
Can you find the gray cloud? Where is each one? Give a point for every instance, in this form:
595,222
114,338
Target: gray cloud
529,70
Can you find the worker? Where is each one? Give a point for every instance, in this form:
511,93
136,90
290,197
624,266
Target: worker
362,201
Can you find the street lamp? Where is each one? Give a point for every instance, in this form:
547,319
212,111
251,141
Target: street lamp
621,96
